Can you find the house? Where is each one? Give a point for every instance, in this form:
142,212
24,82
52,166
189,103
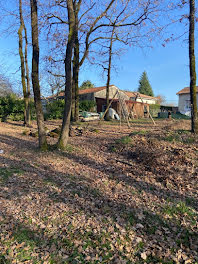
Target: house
184,105
141,97
139,103
98,94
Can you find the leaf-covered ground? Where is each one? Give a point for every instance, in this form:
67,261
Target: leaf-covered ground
114,196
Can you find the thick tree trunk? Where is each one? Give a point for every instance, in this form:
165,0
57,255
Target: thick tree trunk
75,77
75,88
73,94
23,75
35,77
193,91
64,135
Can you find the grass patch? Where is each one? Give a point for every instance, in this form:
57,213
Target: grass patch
141,132
183,131
132,219
5,173
120,143
25,235
172,138
50,182
141,121
182,136
157,260
3,260
179,209
69,148
124,140
189,140
25,246
180,116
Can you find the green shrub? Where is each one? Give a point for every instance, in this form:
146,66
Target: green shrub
12,107
154,109
87,105
54,110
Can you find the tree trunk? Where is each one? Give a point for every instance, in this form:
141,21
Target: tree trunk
73,93
193,91
109,73
75,77
64,135
27,78
25,94
75,88
35,77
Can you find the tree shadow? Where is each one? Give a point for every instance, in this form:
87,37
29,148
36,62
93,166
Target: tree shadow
78,193
82,197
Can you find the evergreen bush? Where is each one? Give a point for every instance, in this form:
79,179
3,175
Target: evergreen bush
12,107
87,105
54,110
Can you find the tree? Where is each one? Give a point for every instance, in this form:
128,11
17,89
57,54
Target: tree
161,99
193,90
86,85
89,23
128,28
35,76
24,67
5,86
144,85
64,135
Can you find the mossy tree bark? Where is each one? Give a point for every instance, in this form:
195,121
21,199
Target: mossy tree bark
75,75
27,78
76,66
35,77
193,90
26,93
109,72
64,135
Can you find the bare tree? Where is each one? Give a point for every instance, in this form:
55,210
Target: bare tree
79,62
24,68
86,29
5,86
62,142
35,76
193,90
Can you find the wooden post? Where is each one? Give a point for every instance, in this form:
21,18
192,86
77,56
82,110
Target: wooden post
148,111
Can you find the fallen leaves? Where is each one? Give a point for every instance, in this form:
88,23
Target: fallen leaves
83,206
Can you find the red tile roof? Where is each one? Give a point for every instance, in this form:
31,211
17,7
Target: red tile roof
97,89
133,94
93,90
56,95
186,90
85,91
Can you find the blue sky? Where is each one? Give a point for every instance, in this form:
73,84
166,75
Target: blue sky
166,67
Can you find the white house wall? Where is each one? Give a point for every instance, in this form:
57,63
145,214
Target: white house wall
183,98
146,101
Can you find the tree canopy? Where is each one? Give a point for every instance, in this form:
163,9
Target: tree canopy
86,85
144,85
5,86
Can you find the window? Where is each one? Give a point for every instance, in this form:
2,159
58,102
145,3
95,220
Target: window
187,105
